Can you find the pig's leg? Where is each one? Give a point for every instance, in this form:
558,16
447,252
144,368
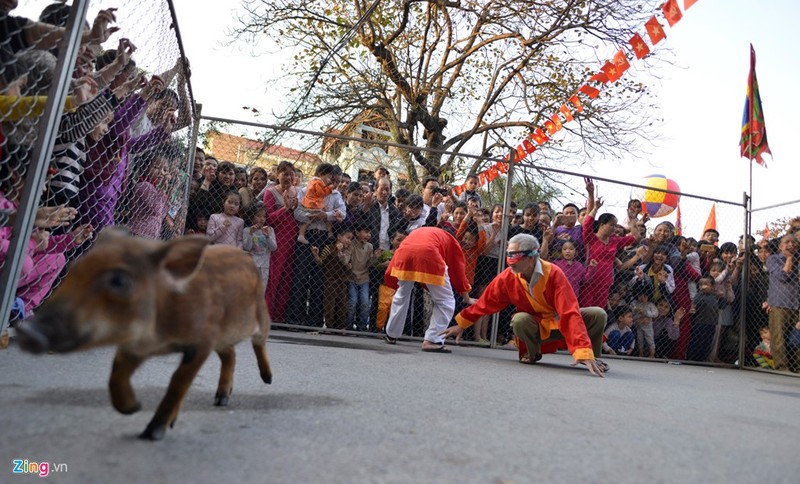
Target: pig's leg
123,397
264,368
260,343
225,387
167,412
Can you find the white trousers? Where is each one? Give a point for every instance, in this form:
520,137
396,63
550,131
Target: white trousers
444,305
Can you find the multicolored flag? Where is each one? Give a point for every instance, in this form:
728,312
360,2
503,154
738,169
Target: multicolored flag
753,143
679,223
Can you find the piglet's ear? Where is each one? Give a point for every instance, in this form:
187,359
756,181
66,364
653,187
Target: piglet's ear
180,257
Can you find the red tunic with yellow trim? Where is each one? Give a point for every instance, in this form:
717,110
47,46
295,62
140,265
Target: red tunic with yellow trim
553,305
423,257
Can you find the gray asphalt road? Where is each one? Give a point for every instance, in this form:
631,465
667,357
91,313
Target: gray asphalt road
346,410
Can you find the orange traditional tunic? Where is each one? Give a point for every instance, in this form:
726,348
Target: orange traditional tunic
423,257
553,304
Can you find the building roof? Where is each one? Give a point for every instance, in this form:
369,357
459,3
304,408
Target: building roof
244,151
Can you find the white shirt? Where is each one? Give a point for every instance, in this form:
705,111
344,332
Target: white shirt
383,233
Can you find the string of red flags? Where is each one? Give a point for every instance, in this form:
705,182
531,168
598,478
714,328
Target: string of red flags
610,72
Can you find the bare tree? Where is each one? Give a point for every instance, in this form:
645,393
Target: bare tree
460,75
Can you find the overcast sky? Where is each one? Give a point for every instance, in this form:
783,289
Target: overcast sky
701,98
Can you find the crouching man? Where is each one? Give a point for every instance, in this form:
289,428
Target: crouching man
549,313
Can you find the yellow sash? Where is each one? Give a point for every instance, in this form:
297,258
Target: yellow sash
549,318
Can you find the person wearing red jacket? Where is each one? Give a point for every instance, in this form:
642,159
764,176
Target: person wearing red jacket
549,315
430,256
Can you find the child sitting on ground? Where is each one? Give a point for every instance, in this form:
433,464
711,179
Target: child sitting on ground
313,203
762,353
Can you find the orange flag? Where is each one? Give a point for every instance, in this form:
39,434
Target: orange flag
766,231
539,136
679,223
566,112
688,3
711,223
529,148
639,47
672,12
612,71
576,102
621,61
589,91
521,154
655,30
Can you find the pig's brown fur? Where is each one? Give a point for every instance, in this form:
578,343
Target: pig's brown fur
151,298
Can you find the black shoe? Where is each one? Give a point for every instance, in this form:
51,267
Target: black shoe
389,339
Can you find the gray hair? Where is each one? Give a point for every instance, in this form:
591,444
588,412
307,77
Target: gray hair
42,66
526,242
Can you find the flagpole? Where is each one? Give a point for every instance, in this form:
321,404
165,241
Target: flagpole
752,107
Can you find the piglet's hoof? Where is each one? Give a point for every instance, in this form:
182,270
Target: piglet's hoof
153,432
221,401
266,378
128,409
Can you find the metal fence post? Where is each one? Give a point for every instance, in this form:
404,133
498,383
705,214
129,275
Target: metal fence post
504,237
40,158
191,148
744,282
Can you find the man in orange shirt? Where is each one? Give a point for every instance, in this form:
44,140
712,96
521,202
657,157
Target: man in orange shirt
548,316
431,256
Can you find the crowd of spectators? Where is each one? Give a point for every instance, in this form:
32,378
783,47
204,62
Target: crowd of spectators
114,159
651,281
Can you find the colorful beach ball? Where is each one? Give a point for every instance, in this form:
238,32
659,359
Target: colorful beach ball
654,202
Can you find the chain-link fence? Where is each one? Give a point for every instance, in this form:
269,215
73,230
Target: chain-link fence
97,127
324,227
772,300
668,268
